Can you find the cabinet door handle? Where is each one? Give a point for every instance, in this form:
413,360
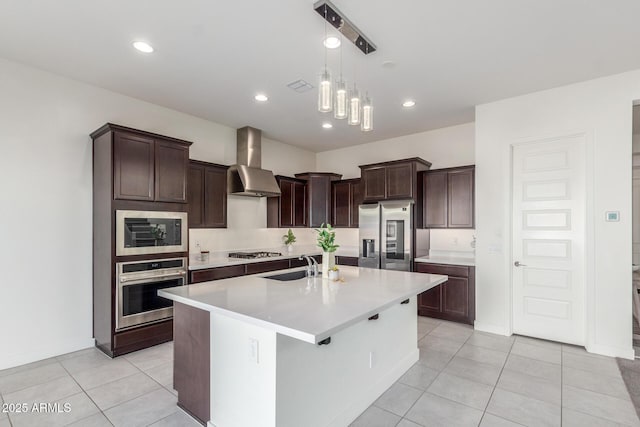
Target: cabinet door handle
518,264
374,317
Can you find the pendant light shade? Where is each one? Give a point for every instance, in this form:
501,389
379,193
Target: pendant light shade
354,107
340,107
366,124
325,92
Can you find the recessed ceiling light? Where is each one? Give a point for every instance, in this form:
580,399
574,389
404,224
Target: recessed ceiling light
143,47
331,42
261,97
408,103
327,125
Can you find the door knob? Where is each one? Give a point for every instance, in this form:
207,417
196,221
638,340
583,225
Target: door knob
517,264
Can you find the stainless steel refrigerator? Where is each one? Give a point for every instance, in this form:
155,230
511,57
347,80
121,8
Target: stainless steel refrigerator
386,233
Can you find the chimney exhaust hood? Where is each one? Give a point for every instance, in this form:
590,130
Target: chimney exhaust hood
247,178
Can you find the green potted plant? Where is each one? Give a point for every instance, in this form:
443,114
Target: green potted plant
334,273
289,239
327,242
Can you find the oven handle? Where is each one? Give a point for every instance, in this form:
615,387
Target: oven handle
151,278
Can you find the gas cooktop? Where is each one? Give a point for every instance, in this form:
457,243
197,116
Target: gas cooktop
253,255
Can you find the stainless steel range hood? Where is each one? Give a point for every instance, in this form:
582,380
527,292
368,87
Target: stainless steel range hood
247,178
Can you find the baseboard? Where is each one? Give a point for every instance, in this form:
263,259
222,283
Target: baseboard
605,350
11,360
361,403
493,329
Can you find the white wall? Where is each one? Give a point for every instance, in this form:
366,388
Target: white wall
446,147
602,109
46,175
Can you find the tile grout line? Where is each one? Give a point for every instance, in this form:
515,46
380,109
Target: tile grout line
579,388
100,411
8,417
437,376
497,381
423,391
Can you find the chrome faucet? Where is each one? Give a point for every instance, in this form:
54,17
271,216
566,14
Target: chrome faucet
312,267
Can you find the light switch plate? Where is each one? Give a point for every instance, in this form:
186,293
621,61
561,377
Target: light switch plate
612,216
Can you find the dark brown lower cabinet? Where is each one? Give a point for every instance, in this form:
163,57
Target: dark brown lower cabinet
347,260
138,338
453,300
191,362
295,262
218,273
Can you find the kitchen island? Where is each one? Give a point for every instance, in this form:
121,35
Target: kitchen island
255,351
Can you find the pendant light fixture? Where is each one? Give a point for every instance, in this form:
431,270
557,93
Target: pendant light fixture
366,124
325,92
340,110
345,104
354,107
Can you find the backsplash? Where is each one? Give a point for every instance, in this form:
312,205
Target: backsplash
228,239
452,240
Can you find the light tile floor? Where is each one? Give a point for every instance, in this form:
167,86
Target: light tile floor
469,378
463,378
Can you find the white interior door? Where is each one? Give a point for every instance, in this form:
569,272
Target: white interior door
548,263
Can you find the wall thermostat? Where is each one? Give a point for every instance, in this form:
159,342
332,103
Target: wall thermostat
612,216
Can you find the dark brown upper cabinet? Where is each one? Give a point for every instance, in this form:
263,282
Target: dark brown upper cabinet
393,180
133,167
290,208
346,196
318,196
146,166
449,198
207,197
305,201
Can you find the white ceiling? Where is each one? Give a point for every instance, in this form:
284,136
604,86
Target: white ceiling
212,57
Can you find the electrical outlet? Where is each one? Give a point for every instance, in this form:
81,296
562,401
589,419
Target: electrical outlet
254,350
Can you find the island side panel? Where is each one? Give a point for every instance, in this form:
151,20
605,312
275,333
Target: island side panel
330,385
191,347
243,374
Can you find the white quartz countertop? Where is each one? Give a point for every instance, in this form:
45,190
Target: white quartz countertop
308,309
222,260
449,260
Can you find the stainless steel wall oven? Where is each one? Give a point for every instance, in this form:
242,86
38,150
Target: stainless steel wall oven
137,285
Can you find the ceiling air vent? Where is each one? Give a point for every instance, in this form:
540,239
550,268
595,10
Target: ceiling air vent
300,86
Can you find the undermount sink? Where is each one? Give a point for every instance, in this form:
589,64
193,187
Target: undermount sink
292,275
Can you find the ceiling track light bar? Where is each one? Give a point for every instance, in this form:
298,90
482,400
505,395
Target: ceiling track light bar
342,24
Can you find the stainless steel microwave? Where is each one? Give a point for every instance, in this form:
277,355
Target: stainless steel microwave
150,232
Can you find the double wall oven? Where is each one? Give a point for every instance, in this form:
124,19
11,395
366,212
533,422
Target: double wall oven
146,234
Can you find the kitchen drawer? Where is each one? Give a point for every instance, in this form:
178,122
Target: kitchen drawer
447,270
295,262
142,337
263,267
347,260
218,273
